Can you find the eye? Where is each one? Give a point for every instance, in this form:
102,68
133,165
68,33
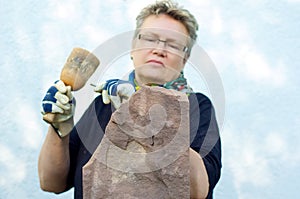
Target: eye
175,46
149,38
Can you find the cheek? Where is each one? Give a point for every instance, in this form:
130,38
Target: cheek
177,64
138,57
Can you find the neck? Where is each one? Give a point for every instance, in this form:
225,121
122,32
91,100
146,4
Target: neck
141,82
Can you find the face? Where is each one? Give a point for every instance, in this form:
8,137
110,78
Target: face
158,51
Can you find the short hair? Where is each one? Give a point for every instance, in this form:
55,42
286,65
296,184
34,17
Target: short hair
171,9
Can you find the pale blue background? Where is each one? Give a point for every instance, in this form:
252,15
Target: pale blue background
253,43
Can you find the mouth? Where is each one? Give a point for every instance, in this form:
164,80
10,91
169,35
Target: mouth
155,62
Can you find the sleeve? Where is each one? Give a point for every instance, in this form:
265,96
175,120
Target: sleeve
85,137
205,138
74,143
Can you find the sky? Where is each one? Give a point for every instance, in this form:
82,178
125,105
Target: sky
253,46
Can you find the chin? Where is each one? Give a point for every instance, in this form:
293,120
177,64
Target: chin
152,79
156,75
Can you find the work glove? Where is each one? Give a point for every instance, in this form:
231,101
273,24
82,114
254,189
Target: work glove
60,102
115,91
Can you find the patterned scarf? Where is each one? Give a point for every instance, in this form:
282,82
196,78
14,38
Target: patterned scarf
179,84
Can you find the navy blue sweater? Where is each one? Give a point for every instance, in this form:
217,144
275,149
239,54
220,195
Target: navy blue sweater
88,132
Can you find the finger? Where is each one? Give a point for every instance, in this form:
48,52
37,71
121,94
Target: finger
65,107
50,107
69,93
61,87
125,90
62,98
116,101
99,87
105,97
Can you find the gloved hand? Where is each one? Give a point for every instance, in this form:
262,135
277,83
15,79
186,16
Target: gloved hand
115,91
59,101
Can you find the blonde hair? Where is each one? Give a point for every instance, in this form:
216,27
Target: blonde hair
171,9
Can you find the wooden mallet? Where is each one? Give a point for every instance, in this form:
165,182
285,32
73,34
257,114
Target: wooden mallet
80,66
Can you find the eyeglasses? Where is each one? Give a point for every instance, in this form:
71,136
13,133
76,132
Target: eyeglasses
152,41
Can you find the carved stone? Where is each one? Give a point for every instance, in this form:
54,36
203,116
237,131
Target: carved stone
144,153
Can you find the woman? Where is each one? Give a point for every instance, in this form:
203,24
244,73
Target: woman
162,43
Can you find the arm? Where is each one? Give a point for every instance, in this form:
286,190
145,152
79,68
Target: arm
53,165
199,184
205,158
54,160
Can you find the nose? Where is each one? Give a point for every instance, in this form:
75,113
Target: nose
160,48
162,43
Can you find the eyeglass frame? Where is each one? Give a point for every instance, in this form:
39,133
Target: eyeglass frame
156,40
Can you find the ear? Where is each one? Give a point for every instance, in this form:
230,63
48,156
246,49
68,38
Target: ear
186,57
184,61
132,50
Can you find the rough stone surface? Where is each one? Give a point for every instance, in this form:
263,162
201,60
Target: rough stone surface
144,153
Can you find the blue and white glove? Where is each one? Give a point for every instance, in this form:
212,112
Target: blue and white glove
59,101
115,91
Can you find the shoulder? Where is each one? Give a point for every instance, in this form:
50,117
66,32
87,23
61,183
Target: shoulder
200,97
202,121
201,102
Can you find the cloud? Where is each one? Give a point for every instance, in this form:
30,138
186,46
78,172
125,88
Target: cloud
217,22
293,1
244,154
12,167
270,17
198,3
235,44
24,41
234,48
253,64
133,9
66,10
277,143
30,121
254,158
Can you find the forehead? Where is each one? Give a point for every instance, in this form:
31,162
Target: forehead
164,25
